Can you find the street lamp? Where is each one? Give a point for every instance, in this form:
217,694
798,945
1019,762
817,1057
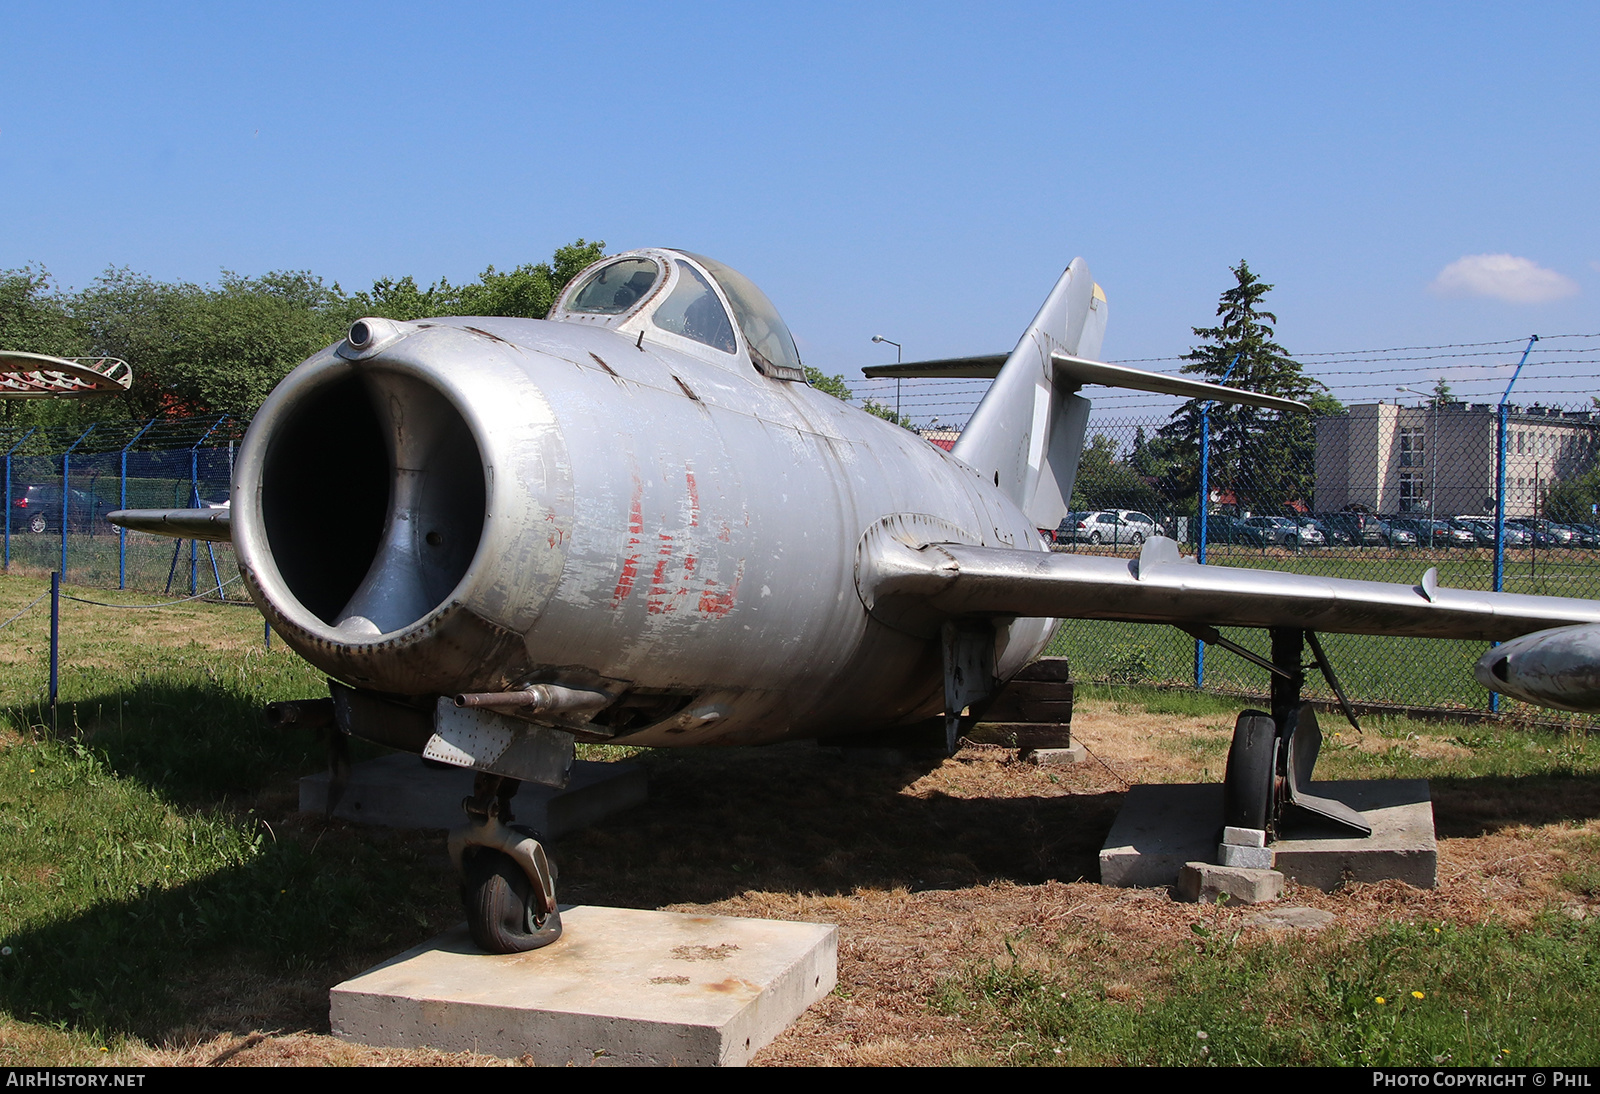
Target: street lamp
896,345
1430,452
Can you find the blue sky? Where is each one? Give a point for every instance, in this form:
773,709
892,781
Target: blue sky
920,171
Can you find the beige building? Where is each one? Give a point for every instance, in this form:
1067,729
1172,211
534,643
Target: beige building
1440,460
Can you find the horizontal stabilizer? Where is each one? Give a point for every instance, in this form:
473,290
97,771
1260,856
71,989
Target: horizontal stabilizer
955,579
207,524
1077,371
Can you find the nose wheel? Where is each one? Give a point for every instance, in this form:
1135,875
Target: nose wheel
507,883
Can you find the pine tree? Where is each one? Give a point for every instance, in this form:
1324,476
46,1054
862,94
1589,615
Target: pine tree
1266,459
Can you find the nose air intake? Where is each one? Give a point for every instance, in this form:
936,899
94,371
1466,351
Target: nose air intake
372,501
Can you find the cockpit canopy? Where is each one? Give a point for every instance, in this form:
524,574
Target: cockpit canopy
688,297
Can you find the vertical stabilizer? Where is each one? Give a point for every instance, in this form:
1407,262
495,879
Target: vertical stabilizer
1027,433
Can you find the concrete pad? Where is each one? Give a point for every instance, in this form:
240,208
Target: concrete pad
620,986
400,791
1202,881
1162,827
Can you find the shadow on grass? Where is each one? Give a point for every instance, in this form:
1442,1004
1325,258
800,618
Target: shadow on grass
252,946
192,743
1468,807
796,818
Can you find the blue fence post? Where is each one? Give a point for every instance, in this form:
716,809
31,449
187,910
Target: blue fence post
1205,507
10,450
55,643
194,486
66,466
122,533
1504,418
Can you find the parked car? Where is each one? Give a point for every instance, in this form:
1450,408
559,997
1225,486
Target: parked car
1434,533
1363,529
1225,529
1396,537
1102,526
1327,536
37,509
1483,530
1276,531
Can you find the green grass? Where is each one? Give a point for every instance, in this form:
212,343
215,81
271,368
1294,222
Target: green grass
1407,994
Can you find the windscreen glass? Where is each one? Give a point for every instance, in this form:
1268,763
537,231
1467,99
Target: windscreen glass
771,345
613,289
694,311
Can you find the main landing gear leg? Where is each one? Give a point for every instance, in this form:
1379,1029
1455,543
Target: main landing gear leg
507,884
1270,761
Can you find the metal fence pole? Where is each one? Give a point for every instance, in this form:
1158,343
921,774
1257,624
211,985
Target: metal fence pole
122,533
1503,419
194,485
1205,507
55,643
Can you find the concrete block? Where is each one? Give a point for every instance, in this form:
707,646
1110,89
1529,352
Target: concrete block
1250,858
1202,881
1162,827
1290,919
400,791
1058,757
621,986
1244,837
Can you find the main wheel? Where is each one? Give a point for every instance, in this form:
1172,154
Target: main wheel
1247,782
502,911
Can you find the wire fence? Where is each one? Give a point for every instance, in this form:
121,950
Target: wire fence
61,483
1492,496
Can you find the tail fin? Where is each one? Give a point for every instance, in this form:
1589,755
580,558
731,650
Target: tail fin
1028,432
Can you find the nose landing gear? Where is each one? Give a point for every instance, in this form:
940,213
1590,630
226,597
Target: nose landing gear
507,883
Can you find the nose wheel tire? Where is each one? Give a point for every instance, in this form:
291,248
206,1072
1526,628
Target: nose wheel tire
503,910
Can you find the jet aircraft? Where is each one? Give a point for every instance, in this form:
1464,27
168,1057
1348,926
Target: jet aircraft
635,521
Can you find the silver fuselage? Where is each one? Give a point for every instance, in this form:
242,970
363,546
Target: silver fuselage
474,505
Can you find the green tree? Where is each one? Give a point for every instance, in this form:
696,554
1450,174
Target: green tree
835,386
1442,393
1264,457
1105,482
33,318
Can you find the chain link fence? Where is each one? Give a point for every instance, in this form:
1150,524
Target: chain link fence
61,483
1492,497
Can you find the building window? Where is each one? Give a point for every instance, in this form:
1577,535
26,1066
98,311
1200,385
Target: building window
1412,447
1412,499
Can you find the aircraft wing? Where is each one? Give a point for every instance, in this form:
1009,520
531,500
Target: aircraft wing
207,524
954,579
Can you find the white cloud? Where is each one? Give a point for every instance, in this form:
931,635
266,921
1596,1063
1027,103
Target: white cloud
1504,277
